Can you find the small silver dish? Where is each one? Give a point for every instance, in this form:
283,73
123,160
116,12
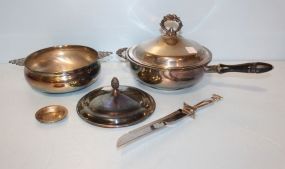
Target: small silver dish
51,114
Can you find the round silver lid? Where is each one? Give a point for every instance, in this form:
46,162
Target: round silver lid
115,106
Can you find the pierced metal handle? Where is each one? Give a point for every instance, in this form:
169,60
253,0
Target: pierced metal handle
19,62
102,54
122,53
191,110
171,31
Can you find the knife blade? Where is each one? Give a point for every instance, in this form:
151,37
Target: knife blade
164,121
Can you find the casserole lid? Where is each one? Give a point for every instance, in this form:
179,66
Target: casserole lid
170,50
115,106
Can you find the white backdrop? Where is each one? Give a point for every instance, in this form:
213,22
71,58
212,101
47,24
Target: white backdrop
231,29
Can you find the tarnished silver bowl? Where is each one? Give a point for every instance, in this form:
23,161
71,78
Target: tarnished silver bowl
62,69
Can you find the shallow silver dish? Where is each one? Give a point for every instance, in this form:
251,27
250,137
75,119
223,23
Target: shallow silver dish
51,114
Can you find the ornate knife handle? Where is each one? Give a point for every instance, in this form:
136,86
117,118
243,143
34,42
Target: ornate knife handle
171,31
190,110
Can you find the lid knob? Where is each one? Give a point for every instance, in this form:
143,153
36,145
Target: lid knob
115,85
171,31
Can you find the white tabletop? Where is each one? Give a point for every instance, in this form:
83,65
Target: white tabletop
246,130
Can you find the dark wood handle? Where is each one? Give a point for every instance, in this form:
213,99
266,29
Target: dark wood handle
255,67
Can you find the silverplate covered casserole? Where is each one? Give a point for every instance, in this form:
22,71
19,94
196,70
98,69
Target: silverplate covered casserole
172,62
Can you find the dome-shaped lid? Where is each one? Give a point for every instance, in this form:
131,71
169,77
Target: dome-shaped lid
115,106
170,51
